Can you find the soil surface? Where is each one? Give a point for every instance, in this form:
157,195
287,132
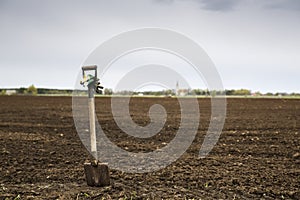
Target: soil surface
256,157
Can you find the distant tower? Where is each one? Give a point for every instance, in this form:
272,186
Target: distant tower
177,88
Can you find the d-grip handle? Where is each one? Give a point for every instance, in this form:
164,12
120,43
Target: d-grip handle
90,67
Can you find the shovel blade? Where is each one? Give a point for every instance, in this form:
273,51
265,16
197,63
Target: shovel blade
97,175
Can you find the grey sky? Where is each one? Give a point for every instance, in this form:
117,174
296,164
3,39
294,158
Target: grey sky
254,44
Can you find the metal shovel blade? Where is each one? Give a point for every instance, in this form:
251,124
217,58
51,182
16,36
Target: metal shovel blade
97,175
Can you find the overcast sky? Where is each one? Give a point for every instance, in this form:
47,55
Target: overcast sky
254,44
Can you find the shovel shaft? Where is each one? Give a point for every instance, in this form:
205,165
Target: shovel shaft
93,128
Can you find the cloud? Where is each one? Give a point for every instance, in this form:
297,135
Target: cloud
283,5
164,1
213,5
219,5
229,5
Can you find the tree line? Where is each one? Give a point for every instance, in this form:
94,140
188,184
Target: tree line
204,92
32,90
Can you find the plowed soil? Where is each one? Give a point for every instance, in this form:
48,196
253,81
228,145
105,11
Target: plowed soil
256,157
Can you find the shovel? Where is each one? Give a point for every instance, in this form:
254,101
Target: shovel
96,173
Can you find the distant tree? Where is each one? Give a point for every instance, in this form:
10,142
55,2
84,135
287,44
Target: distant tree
281,94
21,90
108,91
229,92
199,92
158,93
168,92
257,93
295,94
243,92
269,94
31,90
213,93
3,92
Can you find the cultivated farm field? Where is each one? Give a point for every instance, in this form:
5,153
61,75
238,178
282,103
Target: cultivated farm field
256,157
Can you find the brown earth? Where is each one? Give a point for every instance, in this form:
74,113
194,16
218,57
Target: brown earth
256,157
